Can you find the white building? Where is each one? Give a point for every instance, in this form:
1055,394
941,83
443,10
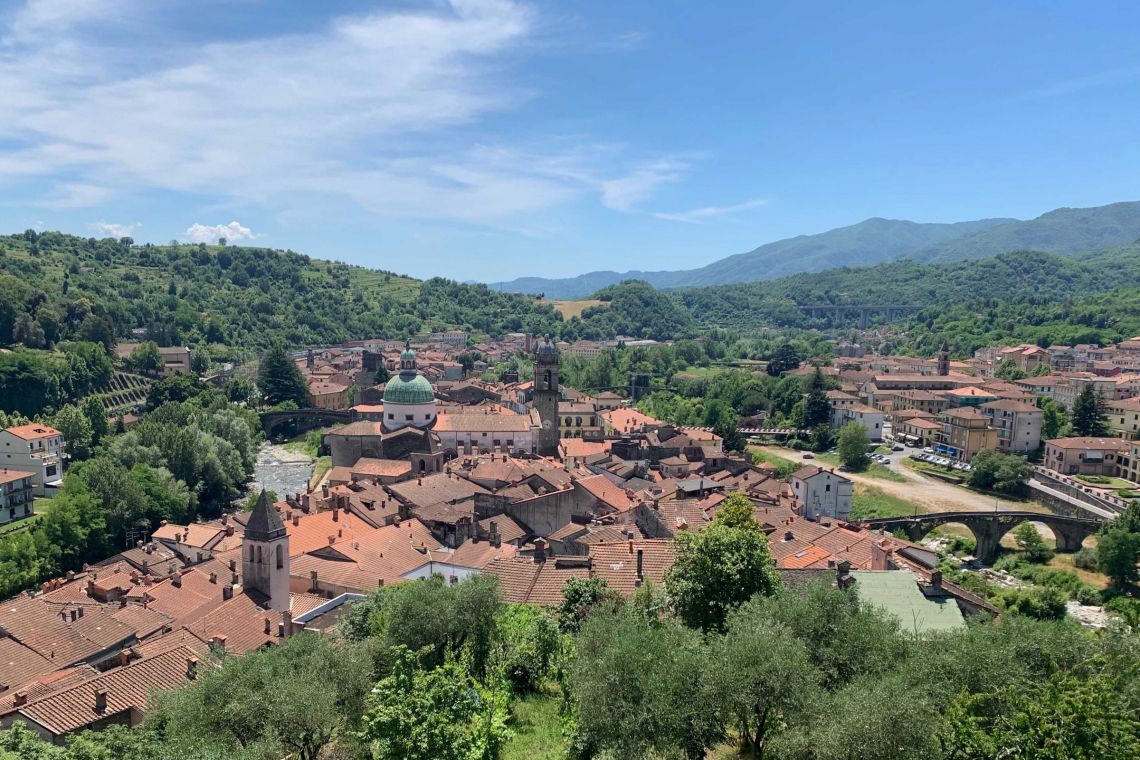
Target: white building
869,417
16,495
824,493
37,449
474,432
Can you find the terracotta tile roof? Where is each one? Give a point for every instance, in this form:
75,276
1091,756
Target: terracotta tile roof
10,476
465,422
360,427
51,632
385,554
380,468
607,492
1116,444
20,663
579,448
1009,405
33,431
509,529
197,535
310,532
241,620
42,686
478,554
524,581
440,487
616,563
126,688
629,420
145,621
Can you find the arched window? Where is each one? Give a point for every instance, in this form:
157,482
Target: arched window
280,556
251,552
259,555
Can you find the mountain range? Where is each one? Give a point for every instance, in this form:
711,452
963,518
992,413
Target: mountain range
1063,231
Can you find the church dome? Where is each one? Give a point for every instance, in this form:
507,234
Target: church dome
408,388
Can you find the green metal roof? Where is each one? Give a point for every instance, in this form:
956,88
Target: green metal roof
897,592
408,388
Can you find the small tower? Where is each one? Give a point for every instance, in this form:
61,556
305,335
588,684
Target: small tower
546,385
265,555
944,360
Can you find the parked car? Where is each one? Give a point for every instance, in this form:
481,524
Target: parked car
809,455
928,450
896,447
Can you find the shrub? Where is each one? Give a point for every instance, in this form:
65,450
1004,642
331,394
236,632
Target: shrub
1086,595
527,644
1037,603
962,545
1085,559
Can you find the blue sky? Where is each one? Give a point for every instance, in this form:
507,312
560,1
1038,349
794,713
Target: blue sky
488,139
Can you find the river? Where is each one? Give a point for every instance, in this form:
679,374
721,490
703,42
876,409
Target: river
281,471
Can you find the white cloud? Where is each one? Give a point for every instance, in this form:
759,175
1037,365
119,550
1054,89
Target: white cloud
211,233
381,109
625,193
701,215
110,229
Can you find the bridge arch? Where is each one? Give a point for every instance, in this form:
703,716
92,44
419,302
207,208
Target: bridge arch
304,419
988,528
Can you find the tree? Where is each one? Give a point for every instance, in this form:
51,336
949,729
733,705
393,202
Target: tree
1031,544
817,409
1070,715
440,713
96,416
852,445
293,698
728,428
716,570
736,512
1038,602
1117,551
640,688
382,375
526,644
76,430
280,380
200,360
1089,418
581,597
1053,419
993,470
762,675
784,359
1008,371
146,358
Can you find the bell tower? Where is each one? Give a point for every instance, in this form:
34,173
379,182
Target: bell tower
944,360
546,393
265,555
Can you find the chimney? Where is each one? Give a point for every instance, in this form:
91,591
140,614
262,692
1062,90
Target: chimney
233,565
219,642
494,534
296,520
540,550
336,514
100,701
936,579
19,699
880,556
843,578
80,612
268,626
227,593
325,491
280,630
640,564
229,530
191,668
234,579
313,581
176,580
124,657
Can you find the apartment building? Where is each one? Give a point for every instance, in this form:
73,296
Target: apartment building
965,432
1124,417
16,495
37,449
1086,456
1018,425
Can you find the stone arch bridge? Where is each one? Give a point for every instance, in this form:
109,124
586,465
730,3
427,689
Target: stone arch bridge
989,527
306,419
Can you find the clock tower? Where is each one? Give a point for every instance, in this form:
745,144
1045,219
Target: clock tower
546,394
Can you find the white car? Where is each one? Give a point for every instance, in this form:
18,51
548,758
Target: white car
928,450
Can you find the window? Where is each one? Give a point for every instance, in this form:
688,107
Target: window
409,417
280,557
259,555
391,416
828,488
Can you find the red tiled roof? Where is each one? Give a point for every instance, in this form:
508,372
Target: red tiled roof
33,431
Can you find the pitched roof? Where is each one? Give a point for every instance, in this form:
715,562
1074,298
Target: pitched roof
616,563
264,522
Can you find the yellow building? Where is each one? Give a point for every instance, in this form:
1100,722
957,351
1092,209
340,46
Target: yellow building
965,432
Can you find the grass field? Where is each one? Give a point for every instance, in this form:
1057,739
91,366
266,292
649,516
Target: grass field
538,730
24,524
784,465
571,309
869,502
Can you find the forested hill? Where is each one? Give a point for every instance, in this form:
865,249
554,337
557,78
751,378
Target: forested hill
61,287
1063,231
1010,277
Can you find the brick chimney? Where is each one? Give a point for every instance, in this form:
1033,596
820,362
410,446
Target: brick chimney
227,593
19,699
213,577
540,550
100,701
268,626
880,557
936,579
176,580
191,668
336,514
219,642
495,541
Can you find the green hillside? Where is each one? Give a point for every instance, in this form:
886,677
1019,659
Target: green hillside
59,287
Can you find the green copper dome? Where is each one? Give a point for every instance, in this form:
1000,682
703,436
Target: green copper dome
408,388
